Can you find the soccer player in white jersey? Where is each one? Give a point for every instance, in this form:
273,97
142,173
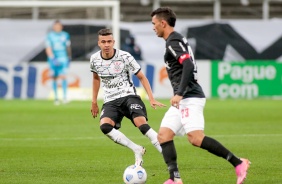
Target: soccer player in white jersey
112,67
185,116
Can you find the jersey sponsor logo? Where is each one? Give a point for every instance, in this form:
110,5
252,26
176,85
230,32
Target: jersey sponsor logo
135,106
115,94
183,57
115,85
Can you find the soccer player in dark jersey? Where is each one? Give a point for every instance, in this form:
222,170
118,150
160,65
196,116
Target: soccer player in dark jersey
185,116
112,68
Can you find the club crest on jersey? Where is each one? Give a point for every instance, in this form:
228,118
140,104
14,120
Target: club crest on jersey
117,66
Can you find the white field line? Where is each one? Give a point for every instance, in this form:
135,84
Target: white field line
141,137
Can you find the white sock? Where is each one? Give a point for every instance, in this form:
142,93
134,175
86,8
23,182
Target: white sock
121,139
153,136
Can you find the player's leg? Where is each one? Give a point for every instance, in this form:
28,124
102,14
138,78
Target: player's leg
54,73
136,111
55,89
170,126
146,130
109,124
63,76
193,120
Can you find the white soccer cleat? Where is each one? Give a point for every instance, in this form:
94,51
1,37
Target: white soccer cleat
66,101
139,155
56,102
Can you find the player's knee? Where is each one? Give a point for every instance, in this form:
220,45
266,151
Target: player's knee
195,139
165,135
144,128
162,137
106,128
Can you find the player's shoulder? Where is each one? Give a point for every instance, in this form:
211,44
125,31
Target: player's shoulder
96,55
65,33
122,53
174,36
50,34
175,39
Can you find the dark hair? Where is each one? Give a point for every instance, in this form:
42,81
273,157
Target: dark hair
57,21
166,14
105,32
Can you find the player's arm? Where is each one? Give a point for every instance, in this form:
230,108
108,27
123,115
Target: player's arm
143,79
187,72
69,48
69,51
48,46
186,77
95,91
177,49
49,52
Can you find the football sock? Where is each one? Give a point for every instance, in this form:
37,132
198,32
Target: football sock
118,137
170,157
152,135
217,149
55,88
65,86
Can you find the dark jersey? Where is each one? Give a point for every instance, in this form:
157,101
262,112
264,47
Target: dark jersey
181,67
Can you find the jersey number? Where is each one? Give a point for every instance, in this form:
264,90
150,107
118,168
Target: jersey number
185,112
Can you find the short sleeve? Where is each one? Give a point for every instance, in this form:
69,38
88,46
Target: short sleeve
177,48
68,41
92,65
131,63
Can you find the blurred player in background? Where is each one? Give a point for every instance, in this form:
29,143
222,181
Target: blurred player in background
58,51
131,47
185,116
112,68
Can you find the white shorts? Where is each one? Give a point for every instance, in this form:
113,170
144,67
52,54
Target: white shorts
187,118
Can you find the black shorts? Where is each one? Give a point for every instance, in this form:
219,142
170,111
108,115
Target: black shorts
129,106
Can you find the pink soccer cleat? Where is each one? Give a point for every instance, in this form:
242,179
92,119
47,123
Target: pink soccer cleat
176,181
241,170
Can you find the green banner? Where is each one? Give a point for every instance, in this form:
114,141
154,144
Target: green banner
250,79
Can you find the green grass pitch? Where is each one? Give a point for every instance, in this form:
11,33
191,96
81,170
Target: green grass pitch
45,144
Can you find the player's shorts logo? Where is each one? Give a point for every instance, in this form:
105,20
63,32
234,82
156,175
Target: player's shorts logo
136,106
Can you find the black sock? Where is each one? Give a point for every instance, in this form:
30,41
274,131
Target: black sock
170,157
217,149
144,128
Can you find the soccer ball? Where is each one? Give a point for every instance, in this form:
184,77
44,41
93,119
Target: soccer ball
134,175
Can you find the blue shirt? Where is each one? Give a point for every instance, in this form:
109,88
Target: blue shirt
59,42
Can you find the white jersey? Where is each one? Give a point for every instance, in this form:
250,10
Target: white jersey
115,74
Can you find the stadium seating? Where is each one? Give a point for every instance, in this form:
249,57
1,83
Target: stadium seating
132,10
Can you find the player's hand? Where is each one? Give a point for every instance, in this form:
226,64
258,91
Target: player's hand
94,109
69,61
155,103
174,101
55,62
